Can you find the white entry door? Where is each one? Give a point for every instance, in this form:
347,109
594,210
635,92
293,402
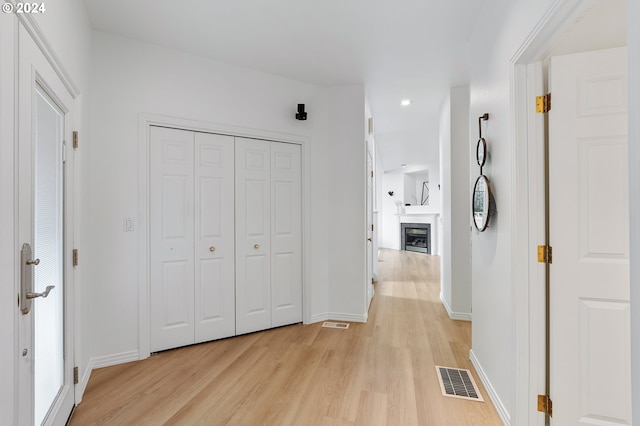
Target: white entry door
45,346
589,233
191,238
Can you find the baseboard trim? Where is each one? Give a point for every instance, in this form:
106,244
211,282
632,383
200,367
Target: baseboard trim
338,316
115,359
458,316
493,395
83,382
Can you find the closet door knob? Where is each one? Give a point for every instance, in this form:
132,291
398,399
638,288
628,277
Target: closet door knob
256,246
212,249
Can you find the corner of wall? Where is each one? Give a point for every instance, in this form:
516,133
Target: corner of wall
493,394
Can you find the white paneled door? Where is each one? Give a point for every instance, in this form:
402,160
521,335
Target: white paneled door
589,228
45,346
214,237
253,242
268,235
286,235
225,236
191,237
171,263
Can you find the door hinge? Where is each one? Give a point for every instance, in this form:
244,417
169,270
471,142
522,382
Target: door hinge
371,173
545,405
75,139
75,257
543,103
545,254
64,151
371,227
75,375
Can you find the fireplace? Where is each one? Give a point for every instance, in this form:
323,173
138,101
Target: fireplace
416,237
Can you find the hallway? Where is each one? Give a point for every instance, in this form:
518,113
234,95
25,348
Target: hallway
381,372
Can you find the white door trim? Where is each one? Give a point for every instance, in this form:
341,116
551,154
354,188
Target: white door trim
633,49
145,121
527,228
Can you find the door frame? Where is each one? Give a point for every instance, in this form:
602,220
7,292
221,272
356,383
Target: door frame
527,197
145,121
10,36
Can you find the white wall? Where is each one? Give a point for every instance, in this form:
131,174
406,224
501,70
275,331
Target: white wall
390,221
132,77
65,29
455,272
505,26
347,228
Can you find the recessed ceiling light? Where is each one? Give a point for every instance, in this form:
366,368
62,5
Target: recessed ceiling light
405,102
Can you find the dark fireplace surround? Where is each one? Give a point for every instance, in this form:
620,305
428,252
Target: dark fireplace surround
415,237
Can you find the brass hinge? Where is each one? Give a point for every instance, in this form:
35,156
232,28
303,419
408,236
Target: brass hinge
545,254
75,257
75,139
75,375
545,405
543,103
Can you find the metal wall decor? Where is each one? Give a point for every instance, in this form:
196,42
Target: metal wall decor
481,202
424,199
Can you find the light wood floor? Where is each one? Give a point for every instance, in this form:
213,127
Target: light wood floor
379,373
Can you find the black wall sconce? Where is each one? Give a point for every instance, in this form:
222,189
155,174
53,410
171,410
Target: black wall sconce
301,114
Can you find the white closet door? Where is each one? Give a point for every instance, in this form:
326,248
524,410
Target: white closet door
286,234
215,315
253,245
171,200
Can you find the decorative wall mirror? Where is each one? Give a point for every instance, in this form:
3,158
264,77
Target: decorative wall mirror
481,151
481,203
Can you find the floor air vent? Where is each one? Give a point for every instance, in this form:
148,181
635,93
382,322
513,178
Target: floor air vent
458,383
330,324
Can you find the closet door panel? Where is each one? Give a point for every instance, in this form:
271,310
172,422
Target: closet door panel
253,263
214,284
286,234
171,200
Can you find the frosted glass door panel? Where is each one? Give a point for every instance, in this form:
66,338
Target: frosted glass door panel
48,247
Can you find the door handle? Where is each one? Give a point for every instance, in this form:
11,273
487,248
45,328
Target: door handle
369,239
44,294
26,277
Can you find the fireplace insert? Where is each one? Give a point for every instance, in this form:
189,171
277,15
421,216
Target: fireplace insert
416,237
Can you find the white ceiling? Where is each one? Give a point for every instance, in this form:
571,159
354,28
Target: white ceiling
399,49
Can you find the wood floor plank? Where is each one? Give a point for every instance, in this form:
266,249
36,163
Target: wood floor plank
379,373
